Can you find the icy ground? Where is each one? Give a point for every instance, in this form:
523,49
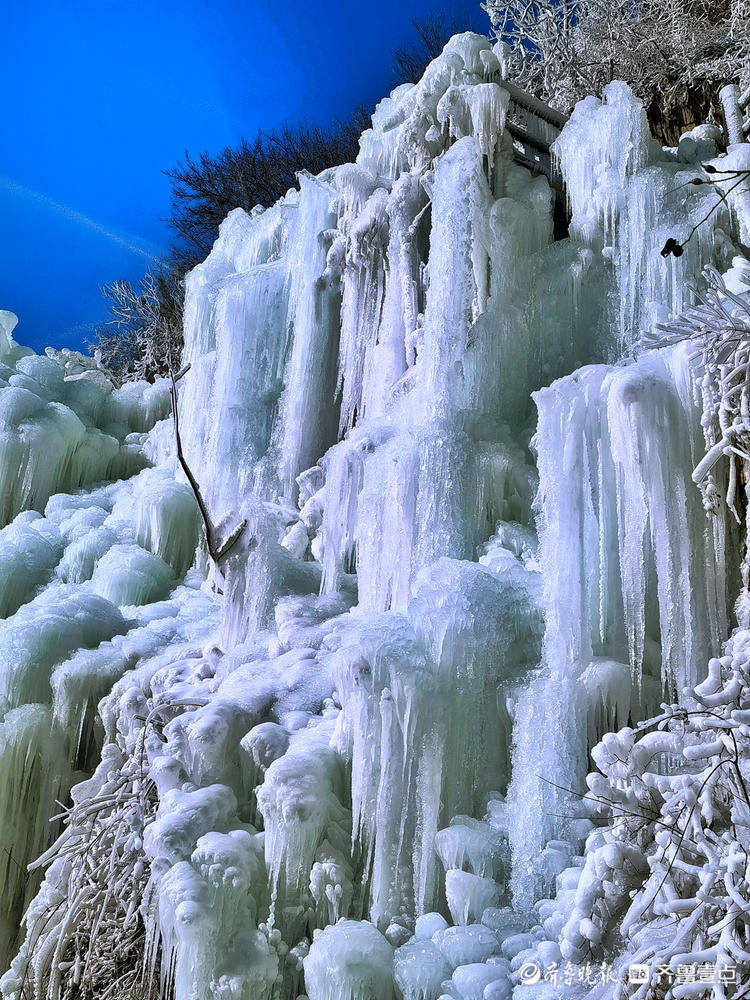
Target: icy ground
346,762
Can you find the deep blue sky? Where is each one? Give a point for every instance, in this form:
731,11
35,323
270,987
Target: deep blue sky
99,97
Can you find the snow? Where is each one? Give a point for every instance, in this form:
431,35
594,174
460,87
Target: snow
347,753
466,945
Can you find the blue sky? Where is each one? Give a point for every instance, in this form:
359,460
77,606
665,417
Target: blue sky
99,97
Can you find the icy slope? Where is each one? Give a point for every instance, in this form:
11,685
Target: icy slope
57,433
73,579
356,725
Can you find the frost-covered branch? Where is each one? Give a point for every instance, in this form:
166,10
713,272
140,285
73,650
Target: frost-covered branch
144,328
86,930
667,871
676,54
733,179
719,326
90,932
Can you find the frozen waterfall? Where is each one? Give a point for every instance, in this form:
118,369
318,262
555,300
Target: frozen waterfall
344,764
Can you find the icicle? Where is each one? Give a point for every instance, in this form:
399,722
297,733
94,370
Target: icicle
633,572
307,415
32,758
301,801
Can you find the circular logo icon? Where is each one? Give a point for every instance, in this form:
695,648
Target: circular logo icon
530,973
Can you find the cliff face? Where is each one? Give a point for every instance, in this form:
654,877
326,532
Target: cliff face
472,547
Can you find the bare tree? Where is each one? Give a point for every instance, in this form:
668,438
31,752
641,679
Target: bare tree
144,330
411,60
255,172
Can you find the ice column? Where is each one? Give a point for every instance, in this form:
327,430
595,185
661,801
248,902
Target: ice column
424,723
635,573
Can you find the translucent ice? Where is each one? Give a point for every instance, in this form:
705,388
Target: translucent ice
350,960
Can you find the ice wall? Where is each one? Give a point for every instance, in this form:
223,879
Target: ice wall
261,293
472,545
638,578
451,305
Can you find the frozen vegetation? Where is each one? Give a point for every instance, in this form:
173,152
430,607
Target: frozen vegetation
346,761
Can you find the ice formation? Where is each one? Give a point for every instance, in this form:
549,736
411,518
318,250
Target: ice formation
339,764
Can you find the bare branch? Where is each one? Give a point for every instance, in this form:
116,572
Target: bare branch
144,328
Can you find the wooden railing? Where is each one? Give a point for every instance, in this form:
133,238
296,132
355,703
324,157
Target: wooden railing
533,126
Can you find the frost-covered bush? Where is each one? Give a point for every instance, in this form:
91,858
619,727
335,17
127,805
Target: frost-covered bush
719,326
667,874
86,933
676,54
142,338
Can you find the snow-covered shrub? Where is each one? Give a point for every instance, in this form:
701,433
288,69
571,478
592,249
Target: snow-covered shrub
142,338
719,326
666,882
676,54
86,932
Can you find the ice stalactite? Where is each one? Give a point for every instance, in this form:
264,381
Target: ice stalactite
634,573
439,468
363,280
395,759
31,752
649,599
256,376
260,570
628,197
303,800
423,722
206,904
307,420
262,289
482,631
